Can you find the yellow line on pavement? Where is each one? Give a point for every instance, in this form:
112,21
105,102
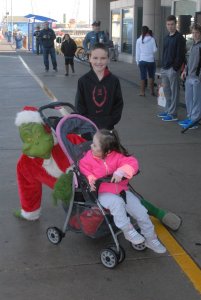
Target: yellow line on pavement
185,262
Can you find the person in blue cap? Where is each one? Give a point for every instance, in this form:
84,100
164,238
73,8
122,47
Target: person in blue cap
95,36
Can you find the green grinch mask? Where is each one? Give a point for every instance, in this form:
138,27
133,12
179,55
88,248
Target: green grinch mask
37,141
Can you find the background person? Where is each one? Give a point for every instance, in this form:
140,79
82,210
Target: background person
145,50
95,36
192,73
68,48
39,48
173,58
18,39
48,36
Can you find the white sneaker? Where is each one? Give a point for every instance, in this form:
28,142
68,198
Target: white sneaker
133,236
155,245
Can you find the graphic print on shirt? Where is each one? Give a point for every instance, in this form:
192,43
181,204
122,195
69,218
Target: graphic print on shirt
99,96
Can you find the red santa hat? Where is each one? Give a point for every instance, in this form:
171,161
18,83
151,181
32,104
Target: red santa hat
29,114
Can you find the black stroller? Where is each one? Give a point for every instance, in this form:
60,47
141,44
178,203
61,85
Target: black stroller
84,212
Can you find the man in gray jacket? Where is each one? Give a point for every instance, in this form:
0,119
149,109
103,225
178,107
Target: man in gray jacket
192,73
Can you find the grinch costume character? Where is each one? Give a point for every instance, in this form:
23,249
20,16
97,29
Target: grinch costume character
43,162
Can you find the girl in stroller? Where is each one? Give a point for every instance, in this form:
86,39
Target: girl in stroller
108,157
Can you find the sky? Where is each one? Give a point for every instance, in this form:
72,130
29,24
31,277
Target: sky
74,9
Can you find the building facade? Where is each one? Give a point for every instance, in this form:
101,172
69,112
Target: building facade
123,20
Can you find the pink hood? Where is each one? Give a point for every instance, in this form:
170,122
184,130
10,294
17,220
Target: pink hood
93,168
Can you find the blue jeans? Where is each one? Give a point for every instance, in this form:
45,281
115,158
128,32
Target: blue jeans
147,67
18,44
46,53
39,47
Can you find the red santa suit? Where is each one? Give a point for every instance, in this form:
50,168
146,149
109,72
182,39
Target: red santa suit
32,173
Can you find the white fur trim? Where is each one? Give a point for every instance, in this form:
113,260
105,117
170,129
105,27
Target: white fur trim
28,116
54,138
32,215
51,167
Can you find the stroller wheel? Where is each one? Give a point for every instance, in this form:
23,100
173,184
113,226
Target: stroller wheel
121,255
139,247
109,258
54,235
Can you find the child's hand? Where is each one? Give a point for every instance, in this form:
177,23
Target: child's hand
92,182
116,178
92,186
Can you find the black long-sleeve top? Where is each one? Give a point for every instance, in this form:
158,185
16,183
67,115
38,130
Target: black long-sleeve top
68,48
174,51
100,101
47,37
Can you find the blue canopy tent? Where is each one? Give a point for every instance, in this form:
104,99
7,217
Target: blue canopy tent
34,21
39,18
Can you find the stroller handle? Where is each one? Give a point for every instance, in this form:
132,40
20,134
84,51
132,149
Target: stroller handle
54,105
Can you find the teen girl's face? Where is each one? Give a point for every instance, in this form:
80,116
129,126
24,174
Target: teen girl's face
96,148
98,59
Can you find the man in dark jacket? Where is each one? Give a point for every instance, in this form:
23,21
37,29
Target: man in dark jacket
173,58
48,36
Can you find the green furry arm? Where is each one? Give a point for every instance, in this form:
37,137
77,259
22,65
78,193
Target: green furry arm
63,188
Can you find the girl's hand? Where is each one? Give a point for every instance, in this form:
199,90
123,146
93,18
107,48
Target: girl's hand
116,178
93,186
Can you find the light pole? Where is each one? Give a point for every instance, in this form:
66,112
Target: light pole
89,12
11,14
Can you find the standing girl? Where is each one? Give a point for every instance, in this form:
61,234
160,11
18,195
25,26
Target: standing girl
108,157
68,48
145,50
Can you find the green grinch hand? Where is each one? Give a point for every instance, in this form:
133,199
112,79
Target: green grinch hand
63,188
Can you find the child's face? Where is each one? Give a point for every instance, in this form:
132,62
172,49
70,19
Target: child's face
95,147
98,60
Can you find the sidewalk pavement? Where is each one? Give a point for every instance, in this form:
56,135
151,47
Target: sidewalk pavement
170,177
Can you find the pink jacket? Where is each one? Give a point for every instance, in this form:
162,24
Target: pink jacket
93,168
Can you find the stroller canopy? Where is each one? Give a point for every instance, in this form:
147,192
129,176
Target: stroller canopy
75,133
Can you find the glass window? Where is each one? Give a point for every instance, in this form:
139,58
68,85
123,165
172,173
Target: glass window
184,8
116,26
127,30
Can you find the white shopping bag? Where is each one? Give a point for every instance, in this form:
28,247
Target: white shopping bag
161,97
